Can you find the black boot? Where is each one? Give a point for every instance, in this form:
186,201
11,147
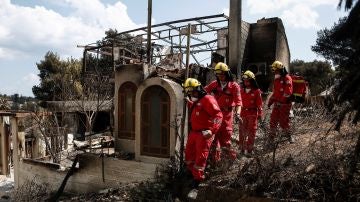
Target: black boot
291,139
195,184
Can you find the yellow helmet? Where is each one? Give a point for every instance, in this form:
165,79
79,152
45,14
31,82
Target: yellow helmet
248,75
190,84
221,67
277,65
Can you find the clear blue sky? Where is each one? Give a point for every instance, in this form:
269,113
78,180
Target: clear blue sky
30,28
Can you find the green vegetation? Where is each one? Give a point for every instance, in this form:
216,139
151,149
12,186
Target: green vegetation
55,76
17,102
319,74
341,45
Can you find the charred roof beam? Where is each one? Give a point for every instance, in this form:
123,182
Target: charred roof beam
192,37
205,24
174,22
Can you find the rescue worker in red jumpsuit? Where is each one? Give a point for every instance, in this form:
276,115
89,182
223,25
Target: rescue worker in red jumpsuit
251,112
227,93
281,99
205,120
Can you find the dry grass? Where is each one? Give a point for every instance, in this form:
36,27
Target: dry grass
31,190
315,167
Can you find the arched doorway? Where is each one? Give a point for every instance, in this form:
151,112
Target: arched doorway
126,111
155,122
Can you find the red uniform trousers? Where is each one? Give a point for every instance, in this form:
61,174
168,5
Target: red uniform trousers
222,141
196,153
247,129
280,116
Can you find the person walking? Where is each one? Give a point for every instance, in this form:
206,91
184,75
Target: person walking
205,120
251,112
281,99
227,93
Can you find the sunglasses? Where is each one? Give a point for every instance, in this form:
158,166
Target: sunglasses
218,72
189,90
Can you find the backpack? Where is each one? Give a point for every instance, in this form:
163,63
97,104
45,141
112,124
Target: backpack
300,87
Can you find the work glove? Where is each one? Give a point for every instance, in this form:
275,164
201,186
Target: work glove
206,133
238,118
259,114
287,100
271,101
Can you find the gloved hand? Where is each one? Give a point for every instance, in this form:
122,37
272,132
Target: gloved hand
238,118
286,100
259,114
206,133
271,101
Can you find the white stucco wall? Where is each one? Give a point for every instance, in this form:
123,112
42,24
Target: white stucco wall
138,75
127,73
176,106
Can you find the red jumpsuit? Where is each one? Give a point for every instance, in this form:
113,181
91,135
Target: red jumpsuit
282,90
250,112
227,98
205,115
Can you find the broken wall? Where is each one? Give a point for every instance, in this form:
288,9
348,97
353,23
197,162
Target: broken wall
267,42
88,177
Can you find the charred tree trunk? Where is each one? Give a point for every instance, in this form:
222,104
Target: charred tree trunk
63,184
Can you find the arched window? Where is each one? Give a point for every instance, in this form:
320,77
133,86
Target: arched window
126,111
155,122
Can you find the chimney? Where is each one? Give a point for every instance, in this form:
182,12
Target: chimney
235,56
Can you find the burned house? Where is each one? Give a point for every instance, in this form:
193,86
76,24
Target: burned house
148,98
149,113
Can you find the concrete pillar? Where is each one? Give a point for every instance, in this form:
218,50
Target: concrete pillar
148,51
3,147
16,152
235,56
